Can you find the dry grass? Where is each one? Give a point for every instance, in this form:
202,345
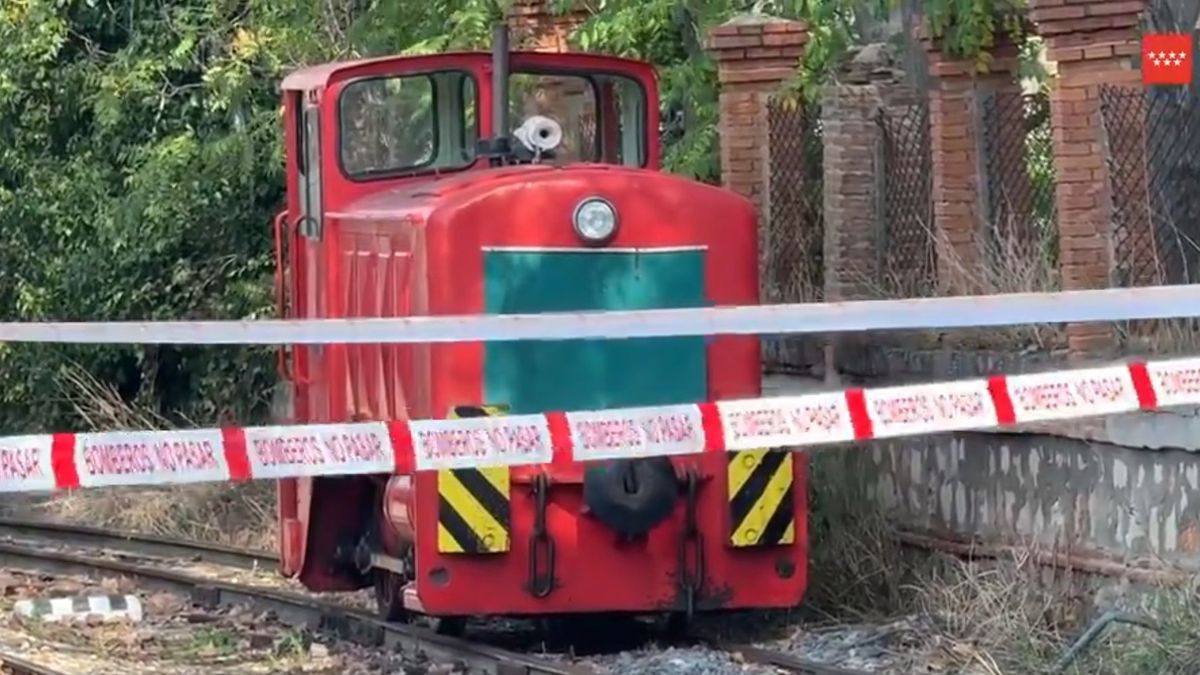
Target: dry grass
1007,616
1013,260
240,515
1018,260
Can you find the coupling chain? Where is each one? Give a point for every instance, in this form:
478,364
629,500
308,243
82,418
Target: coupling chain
691,549
541,545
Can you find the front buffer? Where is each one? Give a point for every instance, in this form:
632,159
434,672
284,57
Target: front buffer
733,535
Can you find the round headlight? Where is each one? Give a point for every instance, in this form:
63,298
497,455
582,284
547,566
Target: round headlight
595,220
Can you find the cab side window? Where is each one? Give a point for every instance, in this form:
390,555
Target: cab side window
602,116
569,100
404,124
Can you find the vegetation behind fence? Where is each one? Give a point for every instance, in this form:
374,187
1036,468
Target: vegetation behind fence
1151,148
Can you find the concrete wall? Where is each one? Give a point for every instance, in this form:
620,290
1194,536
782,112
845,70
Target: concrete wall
1105,494
1092,500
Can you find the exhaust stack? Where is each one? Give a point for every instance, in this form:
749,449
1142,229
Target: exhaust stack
500,82
498,148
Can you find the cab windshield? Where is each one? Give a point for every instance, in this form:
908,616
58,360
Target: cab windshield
413,123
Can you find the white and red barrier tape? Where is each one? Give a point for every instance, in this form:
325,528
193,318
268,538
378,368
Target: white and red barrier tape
974,311
68,461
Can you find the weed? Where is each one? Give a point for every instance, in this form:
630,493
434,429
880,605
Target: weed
212,642
292,643
1004,616
241,515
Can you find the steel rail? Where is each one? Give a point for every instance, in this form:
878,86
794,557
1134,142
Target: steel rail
1114,304
137,544
293,608
16,665
210,592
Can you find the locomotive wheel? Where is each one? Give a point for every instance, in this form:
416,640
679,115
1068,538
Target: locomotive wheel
452,626
389,596
677,626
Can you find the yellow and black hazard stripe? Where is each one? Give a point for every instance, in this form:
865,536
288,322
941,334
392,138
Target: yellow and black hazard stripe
474,508
761,498
465,411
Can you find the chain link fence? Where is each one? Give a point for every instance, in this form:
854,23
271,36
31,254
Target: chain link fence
1017,164
1153,153
792,238
909,254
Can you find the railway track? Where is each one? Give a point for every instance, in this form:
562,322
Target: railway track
35,547
136,544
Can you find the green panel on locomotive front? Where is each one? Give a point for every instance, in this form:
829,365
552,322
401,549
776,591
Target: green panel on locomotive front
535,376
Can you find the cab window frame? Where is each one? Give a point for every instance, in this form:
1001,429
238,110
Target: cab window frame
428,167
470,159
592,77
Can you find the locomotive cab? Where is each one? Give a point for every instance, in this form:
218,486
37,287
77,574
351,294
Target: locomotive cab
471,183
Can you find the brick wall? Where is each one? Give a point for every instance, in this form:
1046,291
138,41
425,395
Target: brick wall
535,26
1092,43
855,227
961,219
754,54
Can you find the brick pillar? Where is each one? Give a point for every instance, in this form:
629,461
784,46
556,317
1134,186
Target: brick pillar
854,172
858,265
1092,43
959,180
754,54
852,239
955,164
535,26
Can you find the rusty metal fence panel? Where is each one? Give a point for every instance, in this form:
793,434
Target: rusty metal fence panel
1020,239
795,231
792,235
1153,153
909,254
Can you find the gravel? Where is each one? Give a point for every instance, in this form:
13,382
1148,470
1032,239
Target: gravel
675,660
174,638
873,648
900,647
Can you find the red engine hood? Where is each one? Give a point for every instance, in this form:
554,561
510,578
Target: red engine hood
536,193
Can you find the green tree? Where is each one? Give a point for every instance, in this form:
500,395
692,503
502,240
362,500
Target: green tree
140,159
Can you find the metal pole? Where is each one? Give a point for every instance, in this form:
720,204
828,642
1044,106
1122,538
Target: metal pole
500,83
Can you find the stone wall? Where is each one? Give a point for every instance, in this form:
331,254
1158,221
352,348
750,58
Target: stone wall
1091,501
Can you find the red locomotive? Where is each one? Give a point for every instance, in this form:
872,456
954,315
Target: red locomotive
405,198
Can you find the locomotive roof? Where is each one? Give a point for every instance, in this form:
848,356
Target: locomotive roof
320,76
